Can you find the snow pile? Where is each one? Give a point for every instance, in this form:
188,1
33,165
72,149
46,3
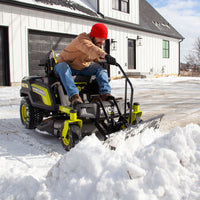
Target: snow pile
167,168
150,166
18,188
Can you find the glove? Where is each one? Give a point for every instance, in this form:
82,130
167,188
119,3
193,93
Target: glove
110,60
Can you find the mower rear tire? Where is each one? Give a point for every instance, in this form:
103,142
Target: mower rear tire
30,116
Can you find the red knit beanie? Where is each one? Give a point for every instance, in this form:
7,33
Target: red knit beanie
99,30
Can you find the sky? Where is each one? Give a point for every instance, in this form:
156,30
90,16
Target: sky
184,16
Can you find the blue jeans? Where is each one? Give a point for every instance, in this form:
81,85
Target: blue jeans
65,72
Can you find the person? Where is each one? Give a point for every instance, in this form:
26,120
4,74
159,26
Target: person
78,59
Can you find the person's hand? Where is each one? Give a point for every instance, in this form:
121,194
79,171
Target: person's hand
110,60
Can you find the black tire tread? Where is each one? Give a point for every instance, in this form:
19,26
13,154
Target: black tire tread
34,115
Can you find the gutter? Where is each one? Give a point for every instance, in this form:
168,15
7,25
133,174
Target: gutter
87,17
179,60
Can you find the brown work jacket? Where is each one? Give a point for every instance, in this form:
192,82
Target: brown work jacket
81,52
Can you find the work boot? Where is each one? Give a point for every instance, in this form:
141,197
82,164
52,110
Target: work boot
95,99
76,99
106,97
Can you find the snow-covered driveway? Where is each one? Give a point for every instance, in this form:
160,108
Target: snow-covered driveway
177,97
156,166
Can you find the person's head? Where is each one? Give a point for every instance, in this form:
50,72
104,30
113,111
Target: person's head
99,34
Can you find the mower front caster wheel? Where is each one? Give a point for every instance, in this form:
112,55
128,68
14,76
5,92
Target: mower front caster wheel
73,136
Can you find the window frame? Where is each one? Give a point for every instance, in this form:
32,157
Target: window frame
165,49
119,3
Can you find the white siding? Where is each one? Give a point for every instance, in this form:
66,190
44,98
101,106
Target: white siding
20,20
105,7
148,55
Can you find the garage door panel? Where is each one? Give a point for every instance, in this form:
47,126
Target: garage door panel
40,43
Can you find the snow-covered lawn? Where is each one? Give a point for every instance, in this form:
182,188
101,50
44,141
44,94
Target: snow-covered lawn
157,165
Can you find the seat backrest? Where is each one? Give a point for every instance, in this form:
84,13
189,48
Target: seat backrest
81,78
49,62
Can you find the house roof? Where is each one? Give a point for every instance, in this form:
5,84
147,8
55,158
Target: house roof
73,5
67,7
149,20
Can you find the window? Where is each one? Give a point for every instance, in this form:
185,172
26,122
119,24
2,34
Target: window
165,49
121,5
131,54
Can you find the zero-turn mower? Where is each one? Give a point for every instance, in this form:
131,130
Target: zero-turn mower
46,107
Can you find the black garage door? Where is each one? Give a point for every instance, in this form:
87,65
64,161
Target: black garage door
40,43
4,59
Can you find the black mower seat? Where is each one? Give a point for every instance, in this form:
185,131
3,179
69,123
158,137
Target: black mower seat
83,79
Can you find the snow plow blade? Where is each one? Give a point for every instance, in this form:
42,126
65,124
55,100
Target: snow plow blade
153,122
132,131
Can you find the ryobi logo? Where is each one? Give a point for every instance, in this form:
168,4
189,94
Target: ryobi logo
109,110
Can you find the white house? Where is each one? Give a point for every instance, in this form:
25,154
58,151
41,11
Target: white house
141,40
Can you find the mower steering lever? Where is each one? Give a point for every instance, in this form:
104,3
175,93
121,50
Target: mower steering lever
131,87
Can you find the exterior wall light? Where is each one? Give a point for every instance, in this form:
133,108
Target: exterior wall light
113,45
139,40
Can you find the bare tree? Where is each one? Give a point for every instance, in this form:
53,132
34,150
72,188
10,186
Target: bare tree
194,57
197,48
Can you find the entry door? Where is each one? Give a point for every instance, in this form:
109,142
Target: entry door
4,58
131,54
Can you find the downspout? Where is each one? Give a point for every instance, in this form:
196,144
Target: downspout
179,64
